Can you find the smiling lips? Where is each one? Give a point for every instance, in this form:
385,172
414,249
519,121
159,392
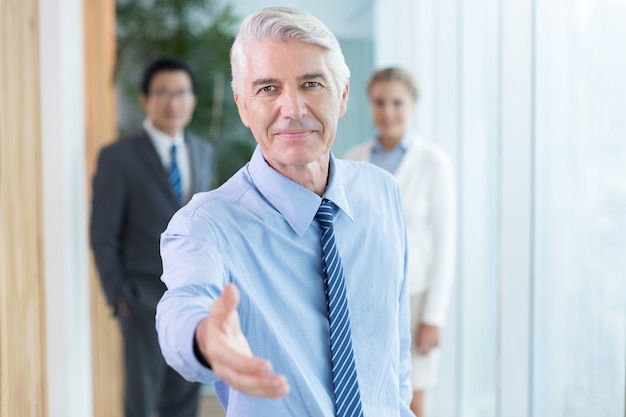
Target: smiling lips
293,134
295,129
388,124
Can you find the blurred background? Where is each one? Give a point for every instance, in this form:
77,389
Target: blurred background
528,97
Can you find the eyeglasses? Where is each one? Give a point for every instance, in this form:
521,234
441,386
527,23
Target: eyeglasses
168,95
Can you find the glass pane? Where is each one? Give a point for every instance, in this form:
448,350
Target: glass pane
479,182
579,312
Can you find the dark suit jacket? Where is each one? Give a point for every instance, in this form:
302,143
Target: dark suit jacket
132,203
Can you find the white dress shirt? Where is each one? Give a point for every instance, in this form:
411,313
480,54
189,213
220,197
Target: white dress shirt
163,145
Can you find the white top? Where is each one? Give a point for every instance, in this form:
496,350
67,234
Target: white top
162,143
426,179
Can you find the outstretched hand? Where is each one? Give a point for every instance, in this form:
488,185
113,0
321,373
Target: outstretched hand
227,351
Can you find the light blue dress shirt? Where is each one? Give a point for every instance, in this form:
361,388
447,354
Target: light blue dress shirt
258,231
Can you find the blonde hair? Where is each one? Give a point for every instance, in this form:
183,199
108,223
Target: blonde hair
395,74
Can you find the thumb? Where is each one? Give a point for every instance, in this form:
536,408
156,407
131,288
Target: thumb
226,304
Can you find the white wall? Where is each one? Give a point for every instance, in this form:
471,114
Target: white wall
64,195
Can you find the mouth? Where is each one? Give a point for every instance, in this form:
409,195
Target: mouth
293,134
388,125
295,129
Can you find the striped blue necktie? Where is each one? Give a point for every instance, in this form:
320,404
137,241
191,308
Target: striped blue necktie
345,381
174,174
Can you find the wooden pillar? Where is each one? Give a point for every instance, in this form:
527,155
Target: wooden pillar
99,26
22,304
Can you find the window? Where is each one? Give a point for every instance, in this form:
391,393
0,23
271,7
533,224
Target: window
529,98
579,297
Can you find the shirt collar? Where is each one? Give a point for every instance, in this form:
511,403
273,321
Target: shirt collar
404,143
162,139
297,204
336,189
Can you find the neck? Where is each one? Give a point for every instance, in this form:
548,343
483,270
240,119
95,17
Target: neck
389,142
312,176
170,133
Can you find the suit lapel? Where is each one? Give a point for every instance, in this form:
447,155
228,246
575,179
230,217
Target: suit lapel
150,159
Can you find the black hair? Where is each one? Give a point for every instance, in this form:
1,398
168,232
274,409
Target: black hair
164,64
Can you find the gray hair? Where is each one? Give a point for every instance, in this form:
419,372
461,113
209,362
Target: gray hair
286,24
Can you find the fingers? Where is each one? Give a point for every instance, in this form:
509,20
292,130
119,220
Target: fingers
225,353
424,344
226,349
258,384
424,347
426,339
249,375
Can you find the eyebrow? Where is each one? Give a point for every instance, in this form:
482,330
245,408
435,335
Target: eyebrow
264,81
310,76
314,75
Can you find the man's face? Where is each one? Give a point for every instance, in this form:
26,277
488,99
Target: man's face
170,101
290,102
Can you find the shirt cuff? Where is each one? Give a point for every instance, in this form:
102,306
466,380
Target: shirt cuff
199,356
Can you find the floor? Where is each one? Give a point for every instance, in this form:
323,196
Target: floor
210,406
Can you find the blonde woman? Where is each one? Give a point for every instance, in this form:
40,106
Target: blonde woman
426,179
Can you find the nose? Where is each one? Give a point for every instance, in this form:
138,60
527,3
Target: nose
292,103
387,109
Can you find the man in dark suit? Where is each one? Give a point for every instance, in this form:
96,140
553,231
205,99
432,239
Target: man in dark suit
140,182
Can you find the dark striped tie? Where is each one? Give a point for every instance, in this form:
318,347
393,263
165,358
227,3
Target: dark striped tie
345,381
174,175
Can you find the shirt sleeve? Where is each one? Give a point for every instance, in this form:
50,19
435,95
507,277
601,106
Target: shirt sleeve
194,273
404,330
443,222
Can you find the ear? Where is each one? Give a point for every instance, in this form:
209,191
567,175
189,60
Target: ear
343,106
243,113
144,101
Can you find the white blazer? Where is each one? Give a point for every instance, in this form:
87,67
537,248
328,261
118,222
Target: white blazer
426,179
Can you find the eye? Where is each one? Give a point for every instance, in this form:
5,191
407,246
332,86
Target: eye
398,103
311,84
268,89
